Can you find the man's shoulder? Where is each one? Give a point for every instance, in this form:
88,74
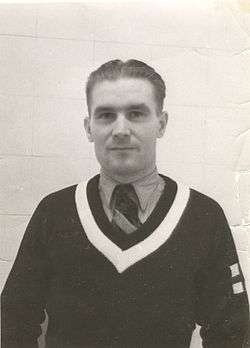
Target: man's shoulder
60,195
203,212
57,201
197,199
64,196
204,201
203,198
205,207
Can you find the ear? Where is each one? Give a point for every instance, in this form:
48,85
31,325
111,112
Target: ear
88,129
163,120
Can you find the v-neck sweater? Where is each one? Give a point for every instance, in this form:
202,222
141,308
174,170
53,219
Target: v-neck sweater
150,294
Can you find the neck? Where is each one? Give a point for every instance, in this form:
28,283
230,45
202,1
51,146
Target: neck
129,178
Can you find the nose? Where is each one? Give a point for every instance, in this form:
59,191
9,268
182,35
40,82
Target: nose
121,127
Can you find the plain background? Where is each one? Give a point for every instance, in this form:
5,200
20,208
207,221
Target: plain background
201,48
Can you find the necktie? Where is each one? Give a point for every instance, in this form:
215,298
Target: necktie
125,208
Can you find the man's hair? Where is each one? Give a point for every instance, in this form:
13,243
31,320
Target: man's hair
115,69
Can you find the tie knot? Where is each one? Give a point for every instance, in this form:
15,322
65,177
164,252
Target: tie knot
125,193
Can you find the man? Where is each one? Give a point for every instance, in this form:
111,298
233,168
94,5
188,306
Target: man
131,258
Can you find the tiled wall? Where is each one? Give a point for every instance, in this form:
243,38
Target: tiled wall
46,51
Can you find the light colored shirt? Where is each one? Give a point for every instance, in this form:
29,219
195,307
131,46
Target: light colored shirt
148,190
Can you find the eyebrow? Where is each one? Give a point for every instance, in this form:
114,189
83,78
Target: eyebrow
105,108
108,108
141,106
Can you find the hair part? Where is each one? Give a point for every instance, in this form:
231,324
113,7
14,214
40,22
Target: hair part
116,69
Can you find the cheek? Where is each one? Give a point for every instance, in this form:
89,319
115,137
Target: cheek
148,138
98,137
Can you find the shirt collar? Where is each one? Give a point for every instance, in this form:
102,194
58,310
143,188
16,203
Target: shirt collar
143,186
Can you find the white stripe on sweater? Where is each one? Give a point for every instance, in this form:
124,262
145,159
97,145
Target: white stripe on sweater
123,259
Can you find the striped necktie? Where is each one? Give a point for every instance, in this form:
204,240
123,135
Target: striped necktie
125,208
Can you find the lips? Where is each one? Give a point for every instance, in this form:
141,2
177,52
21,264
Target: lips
122,148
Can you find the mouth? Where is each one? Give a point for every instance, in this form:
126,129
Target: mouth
123,148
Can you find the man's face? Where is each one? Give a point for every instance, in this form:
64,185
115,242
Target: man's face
124,125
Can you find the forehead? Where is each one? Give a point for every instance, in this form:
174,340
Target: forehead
122,92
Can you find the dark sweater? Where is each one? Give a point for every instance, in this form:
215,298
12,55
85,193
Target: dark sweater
96,297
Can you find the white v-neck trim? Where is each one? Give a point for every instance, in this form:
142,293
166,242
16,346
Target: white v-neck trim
123,259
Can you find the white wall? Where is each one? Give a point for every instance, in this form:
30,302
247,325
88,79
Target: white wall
201,48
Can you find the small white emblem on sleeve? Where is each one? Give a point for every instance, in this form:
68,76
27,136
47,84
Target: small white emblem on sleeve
235,270
238,288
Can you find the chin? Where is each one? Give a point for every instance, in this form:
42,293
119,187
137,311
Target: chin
123,170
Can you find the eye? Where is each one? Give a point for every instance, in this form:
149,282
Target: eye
106,116
136,114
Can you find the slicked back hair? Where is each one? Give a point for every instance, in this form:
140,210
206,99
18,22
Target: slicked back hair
116,69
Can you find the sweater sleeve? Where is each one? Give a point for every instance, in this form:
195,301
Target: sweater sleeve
23,297
222,304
